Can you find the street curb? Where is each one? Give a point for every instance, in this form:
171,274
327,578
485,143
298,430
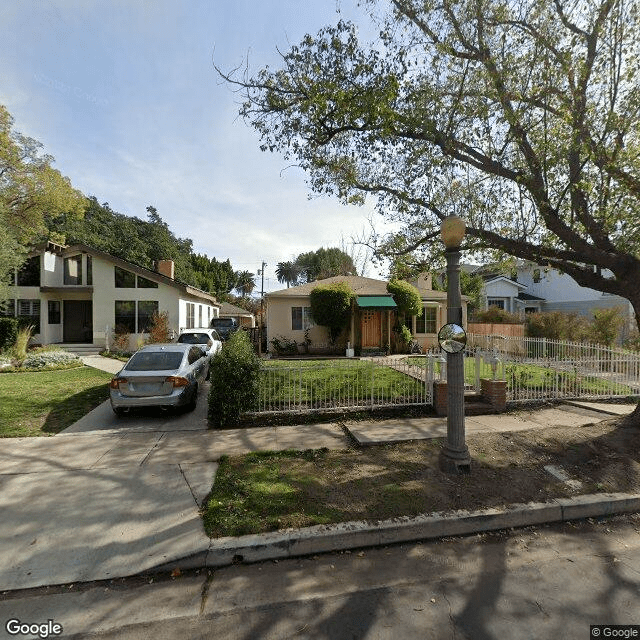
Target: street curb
353,535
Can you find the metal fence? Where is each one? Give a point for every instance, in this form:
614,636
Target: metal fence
312,385
539,368
534,368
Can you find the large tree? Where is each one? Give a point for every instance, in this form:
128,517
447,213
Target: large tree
31,190
142,242
325,263
521,115
288,272
245,283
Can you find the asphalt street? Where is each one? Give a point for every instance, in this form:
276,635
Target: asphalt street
545,582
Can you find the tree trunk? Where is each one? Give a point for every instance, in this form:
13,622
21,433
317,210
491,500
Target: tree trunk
633,420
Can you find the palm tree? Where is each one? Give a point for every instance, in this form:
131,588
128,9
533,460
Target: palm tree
288,272
245,283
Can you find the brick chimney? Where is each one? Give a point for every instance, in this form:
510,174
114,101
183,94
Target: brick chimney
166,268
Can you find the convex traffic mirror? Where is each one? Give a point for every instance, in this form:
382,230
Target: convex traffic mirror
452,338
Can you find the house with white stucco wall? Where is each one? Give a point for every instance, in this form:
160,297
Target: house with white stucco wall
531,287
79,295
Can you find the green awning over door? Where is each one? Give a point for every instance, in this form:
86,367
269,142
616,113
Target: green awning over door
376,302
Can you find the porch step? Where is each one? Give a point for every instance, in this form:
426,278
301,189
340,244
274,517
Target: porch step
476,405
372,353
82,349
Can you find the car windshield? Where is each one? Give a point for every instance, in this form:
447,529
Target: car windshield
222,322
155,361
194,338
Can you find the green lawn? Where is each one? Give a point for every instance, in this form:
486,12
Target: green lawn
469,368
43,403
320,383
263,491
530,376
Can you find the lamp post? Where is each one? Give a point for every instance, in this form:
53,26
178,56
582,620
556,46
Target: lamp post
454,457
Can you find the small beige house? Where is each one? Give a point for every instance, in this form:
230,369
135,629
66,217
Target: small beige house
80,295
243,317
374,314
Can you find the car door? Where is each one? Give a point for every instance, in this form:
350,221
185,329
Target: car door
199,360
217,342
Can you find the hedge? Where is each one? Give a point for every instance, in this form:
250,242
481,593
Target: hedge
234,378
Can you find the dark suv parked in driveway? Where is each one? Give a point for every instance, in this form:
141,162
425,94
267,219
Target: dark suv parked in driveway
225,326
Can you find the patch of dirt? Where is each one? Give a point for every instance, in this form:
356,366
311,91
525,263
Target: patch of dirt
385,481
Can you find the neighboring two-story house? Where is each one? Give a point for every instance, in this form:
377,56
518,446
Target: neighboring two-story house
81,295
531,288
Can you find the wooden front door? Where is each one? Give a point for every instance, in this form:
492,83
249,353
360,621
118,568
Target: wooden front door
371,328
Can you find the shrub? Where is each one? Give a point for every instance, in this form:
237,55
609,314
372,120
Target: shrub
8,332
234,381
404,336
51,360
284,346
496,315
121,340
633,341
555,325
159,330
406,296
605,326
22,342
331,307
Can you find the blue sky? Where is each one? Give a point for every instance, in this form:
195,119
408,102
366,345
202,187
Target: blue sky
124,95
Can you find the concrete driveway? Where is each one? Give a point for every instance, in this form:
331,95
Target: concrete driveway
81,505
115,496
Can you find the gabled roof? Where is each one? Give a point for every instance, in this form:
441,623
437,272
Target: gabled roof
360,285
495,278
228,309
63,250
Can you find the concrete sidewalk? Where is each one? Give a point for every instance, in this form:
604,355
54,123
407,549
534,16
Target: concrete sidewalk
109,497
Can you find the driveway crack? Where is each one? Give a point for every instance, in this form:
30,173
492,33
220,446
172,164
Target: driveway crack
193,495
204,594
153,448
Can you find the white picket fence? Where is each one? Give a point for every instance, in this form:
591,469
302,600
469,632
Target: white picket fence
543,369
313,385
534,368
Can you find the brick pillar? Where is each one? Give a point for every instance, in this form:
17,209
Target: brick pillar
495,393
440,397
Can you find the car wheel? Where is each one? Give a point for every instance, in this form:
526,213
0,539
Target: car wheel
194,400
119,411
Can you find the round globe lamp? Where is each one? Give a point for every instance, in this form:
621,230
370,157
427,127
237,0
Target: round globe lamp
452,230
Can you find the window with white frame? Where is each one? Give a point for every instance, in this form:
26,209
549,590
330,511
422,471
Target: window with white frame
301,318
191,315
29,313
426,323
73,270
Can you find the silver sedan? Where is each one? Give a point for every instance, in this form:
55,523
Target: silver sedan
205,337
160,375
